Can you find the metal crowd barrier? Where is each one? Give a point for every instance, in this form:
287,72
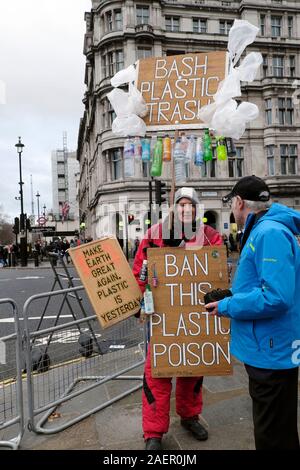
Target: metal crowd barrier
69,372
11,394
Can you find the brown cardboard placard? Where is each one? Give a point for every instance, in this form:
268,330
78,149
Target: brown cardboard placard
108,280
186,340
175,88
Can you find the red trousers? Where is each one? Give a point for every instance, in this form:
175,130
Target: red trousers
156,400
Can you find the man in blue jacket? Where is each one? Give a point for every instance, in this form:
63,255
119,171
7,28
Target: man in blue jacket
265,310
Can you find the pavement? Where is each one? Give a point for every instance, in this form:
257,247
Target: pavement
226,414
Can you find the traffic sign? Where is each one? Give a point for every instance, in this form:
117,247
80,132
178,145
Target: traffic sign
42,220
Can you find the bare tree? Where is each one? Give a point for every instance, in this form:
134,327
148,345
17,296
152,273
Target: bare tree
6,233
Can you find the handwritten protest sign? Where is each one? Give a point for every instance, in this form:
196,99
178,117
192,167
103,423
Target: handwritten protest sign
108,280
175,88
185,339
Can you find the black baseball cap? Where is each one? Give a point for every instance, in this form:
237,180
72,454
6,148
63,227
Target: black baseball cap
250,188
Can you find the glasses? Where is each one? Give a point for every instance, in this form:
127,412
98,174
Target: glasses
230,202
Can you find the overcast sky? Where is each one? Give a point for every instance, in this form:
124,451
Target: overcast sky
42,67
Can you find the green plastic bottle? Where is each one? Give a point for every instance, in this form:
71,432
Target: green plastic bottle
156,167
221,148
207,147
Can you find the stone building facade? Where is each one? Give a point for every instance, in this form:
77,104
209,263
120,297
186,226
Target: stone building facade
120,32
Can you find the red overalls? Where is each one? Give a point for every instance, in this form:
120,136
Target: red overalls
157,391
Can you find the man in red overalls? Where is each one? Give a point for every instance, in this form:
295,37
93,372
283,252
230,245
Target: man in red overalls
185,231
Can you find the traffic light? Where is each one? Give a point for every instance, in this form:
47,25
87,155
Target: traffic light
130,218
159,192
28,225
16,227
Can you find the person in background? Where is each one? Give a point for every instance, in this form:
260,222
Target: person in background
186,230
265,310
136,245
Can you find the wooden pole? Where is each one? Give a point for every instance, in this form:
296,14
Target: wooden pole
173,183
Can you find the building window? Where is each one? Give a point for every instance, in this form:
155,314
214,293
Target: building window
285,111
278,66
104,113
271,160
265,65
112,62
119,60
118,20
61,169
225,26
199,25
111,68
142,14
276,26
290,26
288,159
268,111
144,52
111,114
292,66
116,160
108,21
172,23
262,24
236,164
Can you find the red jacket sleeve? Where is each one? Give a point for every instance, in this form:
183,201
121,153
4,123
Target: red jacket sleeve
138,262
212,235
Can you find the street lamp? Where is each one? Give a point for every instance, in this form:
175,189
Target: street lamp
38,204
23,238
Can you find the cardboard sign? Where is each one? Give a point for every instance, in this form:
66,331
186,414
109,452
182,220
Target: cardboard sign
175,88
186,340
108,280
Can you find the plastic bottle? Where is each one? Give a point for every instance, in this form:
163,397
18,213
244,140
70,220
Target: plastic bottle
230,147
152,145
148,299
144,271
146,151
190,151
156,167
184,143
199,152
207,147
128,158
167,149
179,162
137,147
221,148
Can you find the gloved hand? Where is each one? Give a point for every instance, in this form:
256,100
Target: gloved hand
215,295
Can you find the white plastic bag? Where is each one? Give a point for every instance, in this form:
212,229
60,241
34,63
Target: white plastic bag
241,34
228,88
136,102
124,76
230,120
247,111
130,125
120,101
206,113
249,67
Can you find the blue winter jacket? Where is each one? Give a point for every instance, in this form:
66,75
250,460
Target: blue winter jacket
265,306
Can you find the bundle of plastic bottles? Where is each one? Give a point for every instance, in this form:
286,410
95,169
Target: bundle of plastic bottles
158,150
